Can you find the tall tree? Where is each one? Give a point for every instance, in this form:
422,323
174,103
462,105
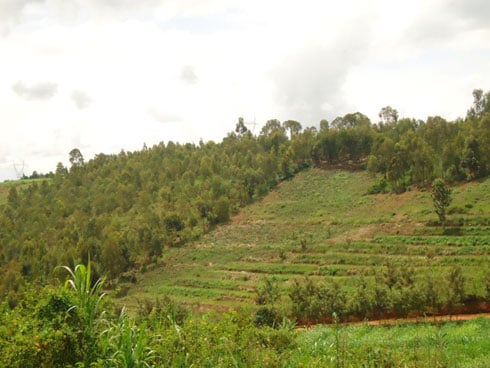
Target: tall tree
481,104
438,132
293,127
470,160
240,127
270,126
76,158
388,115
324,125
441,197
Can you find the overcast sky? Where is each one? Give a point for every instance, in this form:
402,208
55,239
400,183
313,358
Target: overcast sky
106,75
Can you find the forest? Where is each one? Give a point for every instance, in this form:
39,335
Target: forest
119,214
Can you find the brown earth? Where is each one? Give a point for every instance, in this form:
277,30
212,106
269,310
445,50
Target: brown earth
471,310
433,319
396,321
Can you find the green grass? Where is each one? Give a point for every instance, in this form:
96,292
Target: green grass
319,224
450,344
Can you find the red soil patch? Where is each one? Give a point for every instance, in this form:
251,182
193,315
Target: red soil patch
429,319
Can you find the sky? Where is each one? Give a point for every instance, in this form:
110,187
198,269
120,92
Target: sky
107,75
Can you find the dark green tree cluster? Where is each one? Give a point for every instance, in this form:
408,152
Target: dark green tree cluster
346,139
409,151
392,292
123,210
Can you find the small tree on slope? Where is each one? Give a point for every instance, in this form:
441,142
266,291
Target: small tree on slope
441,197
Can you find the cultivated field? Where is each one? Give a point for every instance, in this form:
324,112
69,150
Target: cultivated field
322,224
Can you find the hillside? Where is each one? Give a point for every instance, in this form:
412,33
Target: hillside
265,228
125,211
319,224
322,224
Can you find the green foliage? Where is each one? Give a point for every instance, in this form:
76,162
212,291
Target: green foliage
402,345
441,197
265,317
42,332
87,294
125,209
127,212
471,158
315,302
380,187
126,344
87,297
268,293
396,291
348,234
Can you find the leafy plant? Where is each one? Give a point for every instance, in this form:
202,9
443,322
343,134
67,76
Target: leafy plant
87,298
127,344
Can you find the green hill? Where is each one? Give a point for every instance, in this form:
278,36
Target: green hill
268,223
322,225
137,211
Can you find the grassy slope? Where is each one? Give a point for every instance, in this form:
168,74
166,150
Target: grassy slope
320,223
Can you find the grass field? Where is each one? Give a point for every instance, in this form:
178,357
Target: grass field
321,223
452,344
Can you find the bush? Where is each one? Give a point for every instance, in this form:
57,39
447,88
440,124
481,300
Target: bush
452,231
265,317
379,187
279,340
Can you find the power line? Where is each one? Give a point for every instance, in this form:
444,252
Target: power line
254,124
19,169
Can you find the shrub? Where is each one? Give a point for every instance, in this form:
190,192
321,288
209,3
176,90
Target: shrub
379,187
265,317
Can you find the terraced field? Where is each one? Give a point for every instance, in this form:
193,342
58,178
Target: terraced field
322,224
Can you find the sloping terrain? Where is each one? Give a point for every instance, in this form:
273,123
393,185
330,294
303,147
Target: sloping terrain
319,224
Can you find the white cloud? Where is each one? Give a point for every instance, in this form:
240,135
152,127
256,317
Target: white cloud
81,99
39,91
163,116
188,74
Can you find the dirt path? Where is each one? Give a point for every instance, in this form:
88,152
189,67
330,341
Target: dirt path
430,319
394,321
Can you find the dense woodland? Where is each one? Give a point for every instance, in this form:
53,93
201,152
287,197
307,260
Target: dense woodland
123,210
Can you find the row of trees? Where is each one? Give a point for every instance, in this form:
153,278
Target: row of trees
124,209
392,292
